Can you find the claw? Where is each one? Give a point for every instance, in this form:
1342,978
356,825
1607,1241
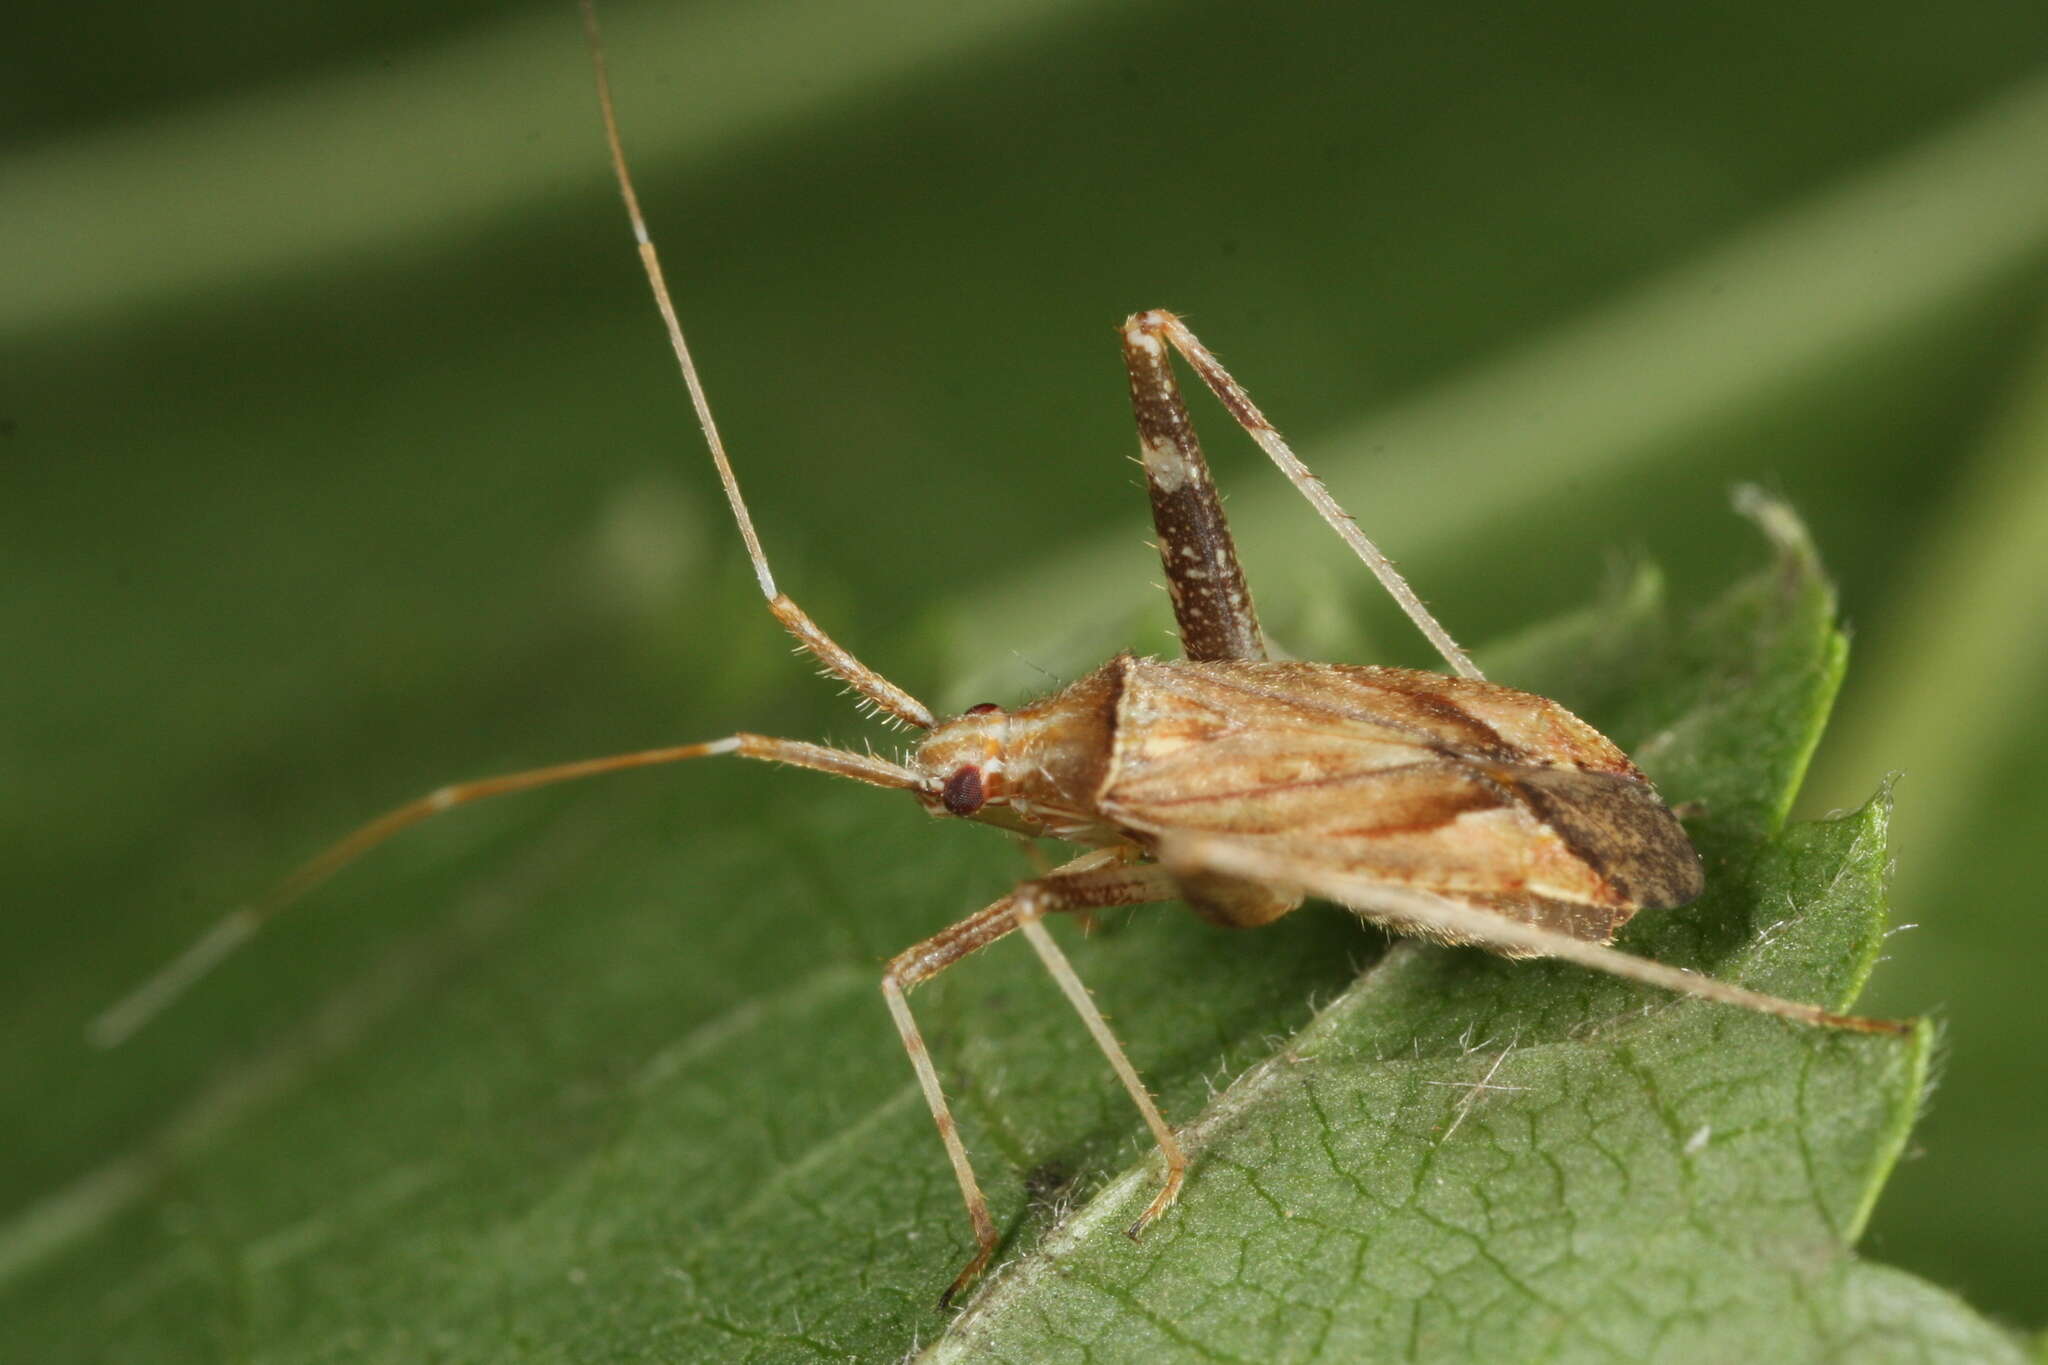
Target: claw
1161,1202
967,1276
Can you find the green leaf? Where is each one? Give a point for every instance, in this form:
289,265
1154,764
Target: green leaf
1455,1157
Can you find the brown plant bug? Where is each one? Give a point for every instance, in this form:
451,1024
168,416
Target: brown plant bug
1444,806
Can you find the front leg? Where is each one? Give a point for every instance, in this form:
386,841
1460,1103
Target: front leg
1092,881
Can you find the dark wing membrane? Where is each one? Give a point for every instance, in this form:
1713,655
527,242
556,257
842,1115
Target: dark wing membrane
1409,779
1620,828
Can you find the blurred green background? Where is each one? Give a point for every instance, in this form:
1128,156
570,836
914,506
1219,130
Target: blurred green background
340,452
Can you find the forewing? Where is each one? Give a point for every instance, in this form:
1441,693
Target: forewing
1499,798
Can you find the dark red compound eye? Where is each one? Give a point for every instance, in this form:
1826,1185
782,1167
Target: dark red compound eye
963,795
982,708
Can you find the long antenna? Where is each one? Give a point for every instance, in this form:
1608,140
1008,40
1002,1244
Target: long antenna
652,263
120,1020
879,692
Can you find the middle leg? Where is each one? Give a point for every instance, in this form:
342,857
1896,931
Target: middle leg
1093,881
